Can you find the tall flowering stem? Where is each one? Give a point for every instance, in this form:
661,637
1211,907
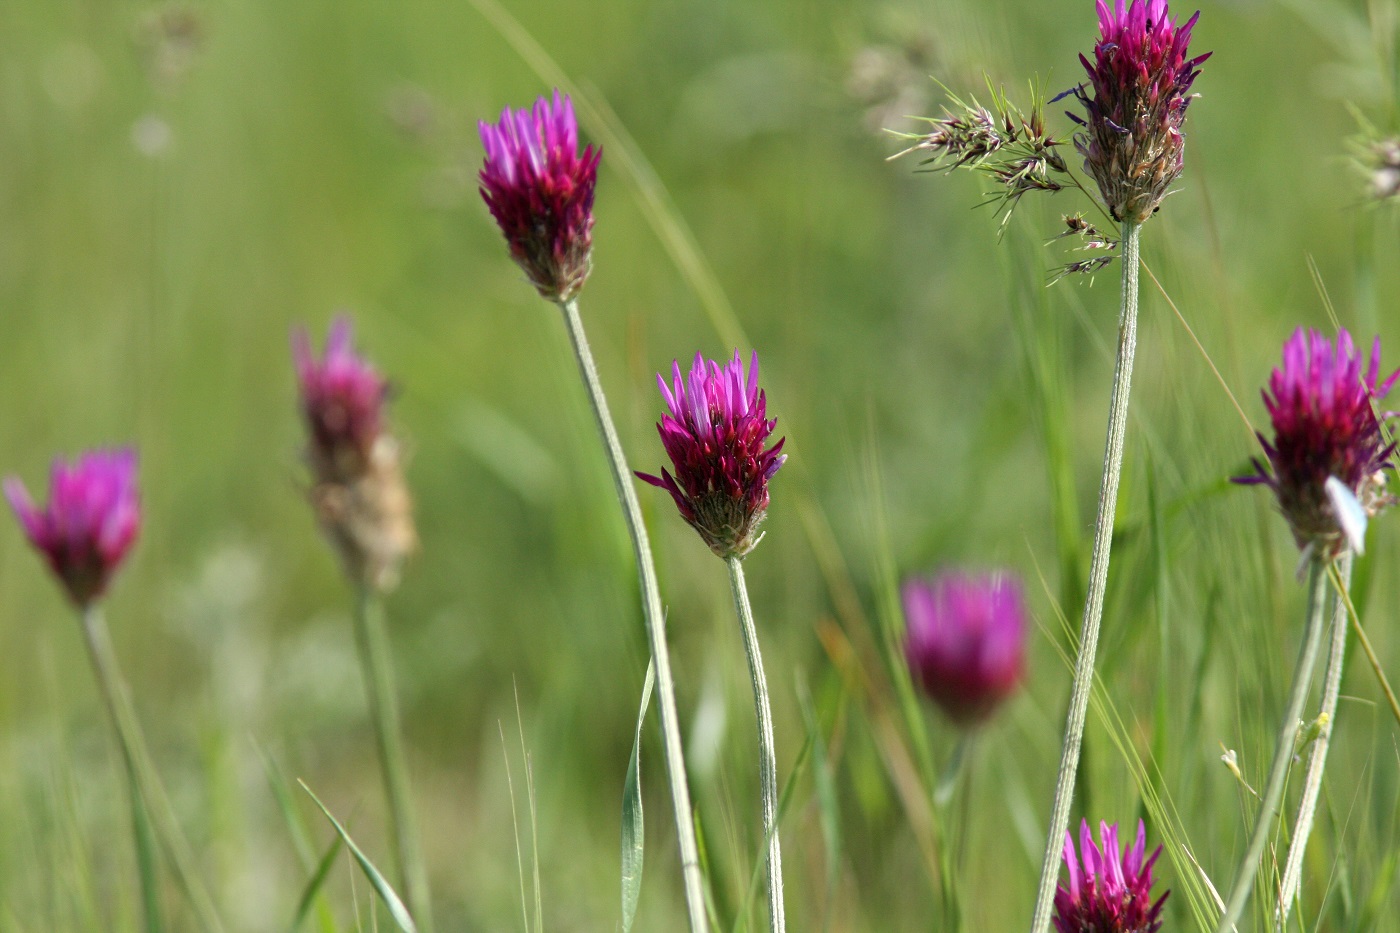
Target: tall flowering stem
539,188
1317,758
767,754
1098,577
363,506
716,434
1283,751
655,618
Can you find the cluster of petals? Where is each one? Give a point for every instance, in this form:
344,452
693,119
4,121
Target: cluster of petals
1141,80
90,522
342,400
1109,891
715,434
539,187
1328,455
966,641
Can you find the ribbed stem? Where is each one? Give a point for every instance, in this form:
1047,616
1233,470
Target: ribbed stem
1283,752
1317,760
377,667
1098,579
655,620
767,755
113,689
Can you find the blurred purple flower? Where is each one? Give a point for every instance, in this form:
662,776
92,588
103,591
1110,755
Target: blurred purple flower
90,522
1141,81
1112,892
540,190
1328,455
966,641
342,399
715,434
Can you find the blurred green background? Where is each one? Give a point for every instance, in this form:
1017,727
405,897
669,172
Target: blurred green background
181,185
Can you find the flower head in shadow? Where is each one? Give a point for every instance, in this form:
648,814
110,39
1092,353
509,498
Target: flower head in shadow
90,522
966,641
539,187
715,434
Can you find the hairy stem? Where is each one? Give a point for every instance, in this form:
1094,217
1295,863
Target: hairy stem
377,667
1317,760
767,755
1098,579
655,620
1283,752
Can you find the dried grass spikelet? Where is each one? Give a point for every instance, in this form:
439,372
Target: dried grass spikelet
368,518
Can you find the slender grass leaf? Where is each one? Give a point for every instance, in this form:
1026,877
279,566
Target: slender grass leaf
312,892
376,879
633,826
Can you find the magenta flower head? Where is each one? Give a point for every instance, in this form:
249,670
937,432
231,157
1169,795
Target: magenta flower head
1141,81
90,522
1112,891
358,489
966,641
715,434
342,400
1329,456
540,190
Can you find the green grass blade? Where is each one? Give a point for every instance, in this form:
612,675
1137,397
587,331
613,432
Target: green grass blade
376,879
311,894
633,826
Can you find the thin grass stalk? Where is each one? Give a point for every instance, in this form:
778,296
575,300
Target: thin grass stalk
377,667
1098,579
1317,760
655,620
110,683
1283,752
767,754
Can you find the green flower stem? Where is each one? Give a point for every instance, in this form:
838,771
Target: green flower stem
377,666
767,756
1317,760
1098,579
952,849
152,815
1283,752
113,690
655,620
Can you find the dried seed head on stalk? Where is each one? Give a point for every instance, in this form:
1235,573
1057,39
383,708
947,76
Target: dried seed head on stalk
358,490
1329,458
1140,81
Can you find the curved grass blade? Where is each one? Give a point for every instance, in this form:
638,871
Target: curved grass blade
633,825
318,879
381,887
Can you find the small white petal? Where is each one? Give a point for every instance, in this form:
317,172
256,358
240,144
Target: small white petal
1350,514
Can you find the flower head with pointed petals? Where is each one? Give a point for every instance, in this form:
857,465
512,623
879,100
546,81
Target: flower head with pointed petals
1329,455
1140,81
539,187
966,641
90,522
715,434
1109,891
342,400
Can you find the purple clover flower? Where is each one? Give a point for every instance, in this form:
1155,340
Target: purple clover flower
1328,455
966,641
540,190
342,399
715,435
1141,81
90,522
1112,893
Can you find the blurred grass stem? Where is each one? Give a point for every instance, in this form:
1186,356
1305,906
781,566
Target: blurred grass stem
1283,752
1317,759
767,755
377,667
1098,579
655,620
